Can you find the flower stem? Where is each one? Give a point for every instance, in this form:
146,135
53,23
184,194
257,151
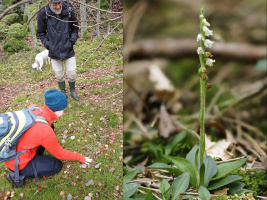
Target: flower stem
202,119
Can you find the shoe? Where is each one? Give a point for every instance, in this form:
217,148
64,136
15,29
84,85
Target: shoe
62,87
11,178
72,91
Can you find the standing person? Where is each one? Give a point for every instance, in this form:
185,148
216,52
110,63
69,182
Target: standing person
58,31
39,137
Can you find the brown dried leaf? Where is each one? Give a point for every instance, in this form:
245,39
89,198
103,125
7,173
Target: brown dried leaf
166,126
223,191
150,174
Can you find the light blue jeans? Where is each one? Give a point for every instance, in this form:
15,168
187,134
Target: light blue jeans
70,68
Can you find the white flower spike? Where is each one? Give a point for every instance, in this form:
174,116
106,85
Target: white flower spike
204,21
208,43
200,50
207,31
199,37
209,62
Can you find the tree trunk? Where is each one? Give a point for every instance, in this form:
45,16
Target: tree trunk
98,21
83,17
27,7
110,8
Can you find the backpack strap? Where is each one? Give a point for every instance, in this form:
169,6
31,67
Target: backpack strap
17,176
69,12
38,118
41,119
45,13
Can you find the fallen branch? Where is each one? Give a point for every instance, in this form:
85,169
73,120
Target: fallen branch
177,48
38,12
13,6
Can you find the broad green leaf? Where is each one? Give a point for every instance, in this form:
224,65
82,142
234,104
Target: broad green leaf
236,188
192,154
131,174
166,195
164,186
179,185
165,189
156,149
129,189
150,196
165,167
176,139
224,181
184,166
203,193
225,168
210,170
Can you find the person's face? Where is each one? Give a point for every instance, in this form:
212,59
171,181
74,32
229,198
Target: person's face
57,7
59,113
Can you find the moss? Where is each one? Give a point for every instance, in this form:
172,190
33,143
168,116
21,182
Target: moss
86,36
17,31
3,30
11,19
15,45
255,180
248,196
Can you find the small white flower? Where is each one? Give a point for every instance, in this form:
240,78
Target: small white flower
208,43
204,21
207,31
200,50
209,62
199,37
201,16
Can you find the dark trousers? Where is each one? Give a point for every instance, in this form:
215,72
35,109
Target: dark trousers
45,165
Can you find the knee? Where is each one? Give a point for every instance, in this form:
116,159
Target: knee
57,166
59,76
71,75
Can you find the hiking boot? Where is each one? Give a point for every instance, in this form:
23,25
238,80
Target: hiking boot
11,178
62,87
72,91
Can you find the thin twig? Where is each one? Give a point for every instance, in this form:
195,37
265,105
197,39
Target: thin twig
95,8
143,192
230,160
102,22
245,125
103,41
238,101
38,12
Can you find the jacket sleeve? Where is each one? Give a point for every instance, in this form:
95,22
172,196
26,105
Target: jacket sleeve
73,28
49,141
42,28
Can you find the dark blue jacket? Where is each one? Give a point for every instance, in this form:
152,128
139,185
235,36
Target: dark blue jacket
58,36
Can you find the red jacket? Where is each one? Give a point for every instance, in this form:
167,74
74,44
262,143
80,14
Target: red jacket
42,134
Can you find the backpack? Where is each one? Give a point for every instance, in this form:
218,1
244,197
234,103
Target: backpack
12,127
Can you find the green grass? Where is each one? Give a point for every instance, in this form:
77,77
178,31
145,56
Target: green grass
100,81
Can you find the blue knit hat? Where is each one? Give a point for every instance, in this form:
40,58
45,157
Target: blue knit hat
55,100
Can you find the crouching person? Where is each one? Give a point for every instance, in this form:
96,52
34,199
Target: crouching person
41,137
